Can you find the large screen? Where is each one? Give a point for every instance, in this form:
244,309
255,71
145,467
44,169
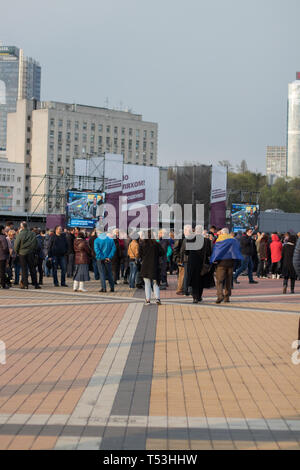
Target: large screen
244,216
84,209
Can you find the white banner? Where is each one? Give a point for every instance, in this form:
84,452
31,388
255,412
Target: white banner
140,185
218,184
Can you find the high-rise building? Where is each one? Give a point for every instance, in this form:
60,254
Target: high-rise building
276,162
293,131
20,78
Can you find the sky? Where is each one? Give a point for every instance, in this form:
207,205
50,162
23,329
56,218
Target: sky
213,74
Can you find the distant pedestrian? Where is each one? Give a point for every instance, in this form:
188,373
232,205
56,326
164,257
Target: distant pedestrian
226,250
276,251
248,248
150,254
82,261
58,248
26,246
105,249
287,268
4,257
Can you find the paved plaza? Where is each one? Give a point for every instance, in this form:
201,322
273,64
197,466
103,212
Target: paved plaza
103,371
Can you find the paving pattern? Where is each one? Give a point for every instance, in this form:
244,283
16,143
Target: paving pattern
103,371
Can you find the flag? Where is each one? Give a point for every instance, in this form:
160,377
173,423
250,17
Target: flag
226,249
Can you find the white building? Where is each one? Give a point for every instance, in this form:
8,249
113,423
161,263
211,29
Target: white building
276,162
293,150
48,136
11,187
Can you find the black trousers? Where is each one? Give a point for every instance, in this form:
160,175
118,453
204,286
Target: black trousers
27,262
2,272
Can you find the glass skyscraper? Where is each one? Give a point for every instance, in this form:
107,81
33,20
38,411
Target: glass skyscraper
20,78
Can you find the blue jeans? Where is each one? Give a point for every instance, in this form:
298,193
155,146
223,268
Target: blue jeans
148,289
17,271
133,272
105,270
246,263
59,261
96,270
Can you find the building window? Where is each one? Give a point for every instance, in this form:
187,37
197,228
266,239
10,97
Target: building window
137,133
92,139
60,136
76,137
130,131
68,124
144,145
93,127
145,134
100,139
18,179
76,125
107,140
137,145
52,122
108,129
60,123
84,126
100,127
84,138
123,130
115,130
152,134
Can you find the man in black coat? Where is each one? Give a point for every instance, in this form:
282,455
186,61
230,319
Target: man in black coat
248,249
58,248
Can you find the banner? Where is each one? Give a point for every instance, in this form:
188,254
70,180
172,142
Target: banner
218,196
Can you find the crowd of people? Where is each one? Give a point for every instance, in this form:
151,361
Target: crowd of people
143,259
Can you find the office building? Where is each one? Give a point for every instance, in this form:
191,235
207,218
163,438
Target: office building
20,78
48,136
276,162
293,131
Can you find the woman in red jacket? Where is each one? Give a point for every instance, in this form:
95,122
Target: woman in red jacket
276,254
82,261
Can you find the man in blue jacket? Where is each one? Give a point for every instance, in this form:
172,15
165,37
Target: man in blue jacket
104,248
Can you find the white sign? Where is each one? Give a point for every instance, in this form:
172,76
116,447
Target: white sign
218,184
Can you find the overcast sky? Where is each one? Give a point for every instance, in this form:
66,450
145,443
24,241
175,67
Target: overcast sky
213,74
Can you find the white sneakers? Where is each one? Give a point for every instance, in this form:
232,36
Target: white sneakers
79,286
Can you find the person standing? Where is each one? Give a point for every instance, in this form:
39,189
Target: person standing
105,249
226,250
247,248
70,237
58,248
82,260
288,271
26,246
133,254
200,275
4,257
116,261
276,251
91,242
40,254
150,253
264,253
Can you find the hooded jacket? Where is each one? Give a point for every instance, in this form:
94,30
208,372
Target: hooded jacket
276,249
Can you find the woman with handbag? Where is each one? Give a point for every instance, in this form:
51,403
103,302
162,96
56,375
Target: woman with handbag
134,262
82,261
